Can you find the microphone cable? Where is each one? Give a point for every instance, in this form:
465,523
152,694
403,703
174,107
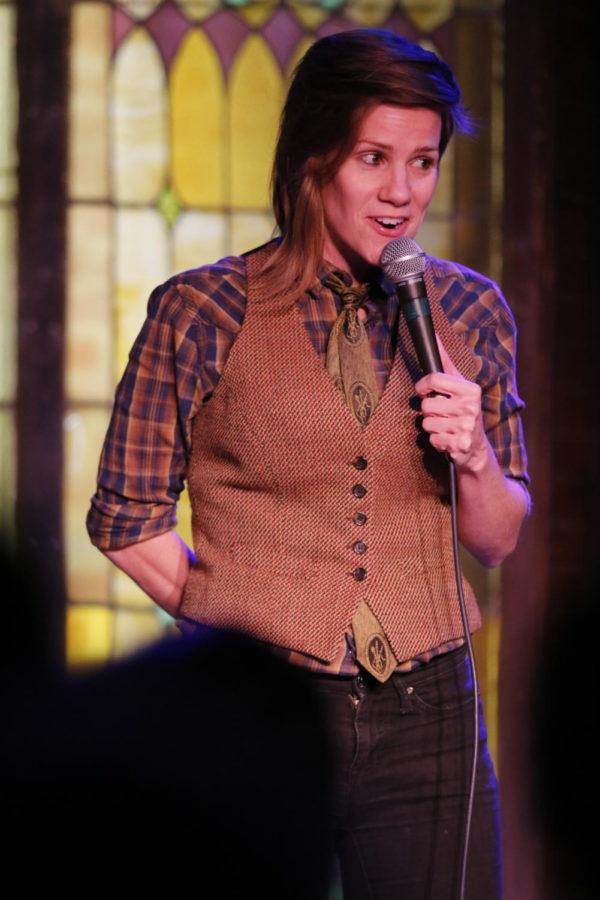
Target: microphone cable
404,264
471,655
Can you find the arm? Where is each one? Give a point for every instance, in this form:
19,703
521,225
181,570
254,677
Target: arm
173,367
491,506
159,566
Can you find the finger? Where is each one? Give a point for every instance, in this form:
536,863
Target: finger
449,367
439,382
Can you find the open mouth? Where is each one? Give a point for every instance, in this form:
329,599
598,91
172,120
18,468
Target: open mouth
388,224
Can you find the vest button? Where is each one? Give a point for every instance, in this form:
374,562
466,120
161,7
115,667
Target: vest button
359,574
359,490
359,547
360,519
360,463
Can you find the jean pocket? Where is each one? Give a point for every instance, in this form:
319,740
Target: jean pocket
444,684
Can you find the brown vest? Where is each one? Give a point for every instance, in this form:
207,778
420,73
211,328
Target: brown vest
272,481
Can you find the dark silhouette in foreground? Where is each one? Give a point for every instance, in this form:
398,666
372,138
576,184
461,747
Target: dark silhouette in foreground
200,761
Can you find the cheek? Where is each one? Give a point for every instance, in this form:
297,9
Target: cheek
333,205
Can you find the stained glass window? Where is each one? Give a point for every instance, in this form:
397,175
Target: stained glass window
173,117
8,241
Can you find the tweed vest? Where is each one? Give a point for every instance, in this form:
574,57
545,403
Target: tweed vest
277,480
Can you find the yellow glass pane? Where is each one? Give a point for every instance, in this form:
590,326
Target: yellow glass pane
428,14
198,238
198,149
139,121
89,304
435,237
184,519
308,12
198,10
136,630
250,230
486,645
256,96
8,104
89,58
139,9
8,476
89,635
256,14
297,55
87,570
141,262
368,13
443,199
8,308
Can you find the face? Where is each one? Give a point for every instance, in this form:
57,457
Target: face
383,188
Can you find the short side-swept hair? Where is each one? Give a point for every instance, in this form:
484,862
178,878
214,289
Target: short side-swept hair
336,81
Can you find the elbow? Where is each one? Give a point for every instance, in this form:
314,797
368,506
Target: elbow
493,555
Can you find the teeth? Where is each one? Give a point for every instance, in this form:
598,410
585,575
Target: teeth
386,221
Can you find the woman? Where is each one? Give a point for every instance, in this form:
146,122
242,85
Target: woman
319,514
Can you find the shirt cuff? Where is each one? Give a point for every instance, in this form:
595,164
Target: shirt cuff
113,526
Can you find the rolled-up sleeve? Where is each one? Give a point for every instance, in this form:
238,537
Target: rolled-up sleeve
173,368
501,404
478,310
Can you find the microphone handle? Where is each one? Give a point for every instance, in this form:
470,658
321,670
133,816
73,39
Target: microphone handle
415,307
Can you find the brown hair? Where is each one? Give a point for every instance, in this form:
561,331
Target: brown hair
338,78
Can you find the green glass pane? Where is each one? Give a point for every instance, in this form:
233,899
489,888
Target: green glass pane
8,104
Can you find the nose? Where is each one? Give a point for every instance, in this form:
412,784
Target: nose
395,186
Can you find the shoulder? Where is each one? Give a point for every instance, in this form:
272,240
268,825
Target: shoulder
468,297
214,293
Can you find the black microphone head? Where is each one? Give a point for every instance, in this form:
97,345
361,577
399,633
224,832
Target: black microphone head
402,258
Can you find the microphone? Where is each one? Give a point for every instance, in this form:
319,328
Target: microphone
403,262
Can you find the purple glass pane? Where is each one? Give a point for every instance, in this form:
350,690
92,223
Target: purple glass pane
227,32
334,25
121,26
399,25
167,26
282,33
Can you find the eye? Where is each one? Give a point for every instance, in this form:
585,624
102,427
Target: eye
372,157
426,162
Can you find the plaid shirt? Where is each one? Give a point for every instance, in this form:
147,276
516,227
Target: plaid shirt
179,356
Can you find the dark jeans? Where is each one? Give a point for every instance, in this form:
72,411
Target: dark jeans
403,752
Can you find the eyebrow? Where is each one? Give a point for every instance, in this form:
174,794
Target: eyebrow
389,147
